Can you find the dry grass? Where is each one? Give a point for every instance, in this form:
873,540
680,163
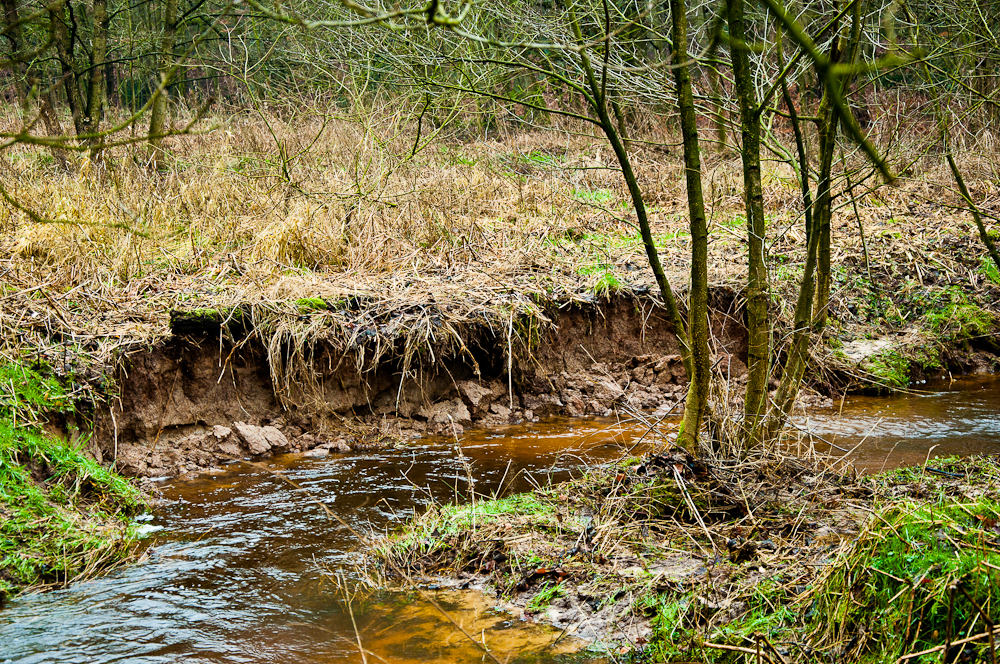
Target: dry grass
459,231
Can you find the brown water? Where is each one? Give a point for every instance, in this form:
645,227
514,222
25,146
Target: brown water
940,419
243,564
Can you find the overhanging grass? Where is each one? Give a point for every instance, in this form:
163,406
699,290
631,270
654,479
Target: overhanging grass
923,576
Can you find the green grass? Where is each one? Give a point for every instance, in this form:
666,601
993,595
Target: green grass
596,196
62,514
989,269
545,596
929,571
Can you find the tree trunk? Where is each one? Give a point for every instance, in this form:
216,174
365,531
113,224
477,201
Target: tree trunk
158,114
698,387
758,325
95,89
62,18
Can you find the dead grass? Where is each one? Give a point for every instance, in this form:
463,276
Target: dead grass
462,231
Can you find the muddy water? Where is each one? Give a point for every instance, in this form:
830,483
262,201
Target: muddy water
939,419
243,563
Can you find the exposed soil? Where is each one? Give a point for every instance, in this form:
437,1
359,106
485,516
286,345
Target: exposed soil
207,394
202,398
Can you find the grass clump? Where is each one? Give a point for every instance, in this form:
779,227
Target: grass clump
545,596
955,318
929,571
62,515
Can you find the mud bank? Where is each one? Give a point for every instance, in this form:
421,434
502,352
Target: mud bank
222,387
205,396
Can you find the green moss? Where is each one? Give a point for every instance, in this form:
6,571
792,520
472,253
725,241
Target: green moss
953,317
307,304
889,369
61,513
678,632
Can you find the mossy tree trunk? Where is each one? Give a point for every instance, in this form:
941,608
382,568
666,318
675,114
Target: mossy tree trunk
758,323
698,373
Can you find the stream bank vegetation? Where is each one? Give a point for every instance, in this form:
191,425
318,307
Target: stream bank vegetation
775,558
63,516
341,188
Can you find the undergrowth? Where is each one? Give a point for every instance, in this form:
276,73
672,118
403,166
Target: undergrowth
62,515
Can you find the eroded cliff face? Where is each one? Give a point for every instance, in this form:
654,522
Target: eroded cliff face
194,401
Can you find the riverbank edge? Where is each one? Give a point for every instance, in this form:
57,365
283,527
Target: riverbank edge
667,557
63,516
477,400
323,375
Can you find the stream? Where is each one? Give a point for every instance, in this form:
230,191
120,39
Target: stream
244,563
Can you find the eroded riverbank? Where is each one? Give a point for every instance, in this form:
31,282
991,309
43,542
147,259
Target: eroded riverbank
243,565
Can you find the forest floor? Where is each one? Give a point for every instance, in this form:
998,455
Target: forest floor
361,243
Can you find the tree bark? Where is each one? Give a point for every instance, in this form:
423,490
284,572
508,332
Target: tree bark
698,387
158,113
758,324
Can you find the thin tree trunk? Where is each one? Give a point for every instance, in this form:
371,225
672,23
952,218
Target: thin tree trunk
62,18
827,124
698,387
758,325
798,351
158,114
984,235
95,90
694,354
15,38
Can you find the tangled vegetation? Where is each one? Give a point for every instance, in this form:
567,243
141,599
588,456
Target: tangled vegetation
773,560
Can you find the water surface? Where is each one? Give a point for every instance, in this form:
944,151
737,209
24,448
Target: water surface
245,563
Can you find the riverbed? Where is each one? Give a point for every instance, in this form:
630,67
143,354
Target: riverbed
248,565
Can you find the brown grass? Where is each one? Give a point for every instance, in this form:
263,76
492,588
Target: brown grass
460,228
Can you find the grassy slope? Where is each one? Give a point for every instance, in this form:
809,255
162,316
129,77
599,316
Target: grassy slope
460,228
62,515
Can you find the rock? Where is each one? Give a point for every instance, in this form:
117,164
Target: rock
230,449
221,432
449,411
608,391
500,410
317,452
277,441
477,397
543,404
254,438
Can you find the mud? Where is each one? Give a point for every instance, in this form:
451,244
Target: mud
206,396
201,399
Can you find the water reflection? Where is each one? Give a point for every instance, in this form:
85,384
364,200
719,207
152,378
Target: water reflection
958,417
